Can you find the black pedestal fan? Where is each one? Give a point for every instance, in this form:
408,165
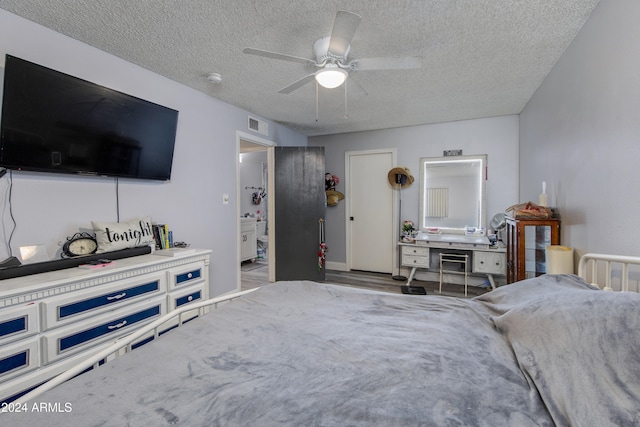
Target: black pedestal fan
400,178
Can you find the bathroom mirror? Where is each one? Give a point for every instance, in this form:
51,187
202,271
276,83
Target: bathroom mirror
452,193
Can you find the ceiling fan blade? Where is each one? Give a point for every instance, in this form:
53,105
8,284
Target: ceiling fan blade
344,28
406,63
276,55
295,85
357,83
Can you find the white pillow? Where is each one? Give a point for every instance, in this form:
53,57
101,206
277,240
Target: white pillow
122,235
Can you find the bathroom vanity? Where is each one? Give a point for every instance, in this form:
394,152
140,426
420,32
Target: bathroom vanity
248,239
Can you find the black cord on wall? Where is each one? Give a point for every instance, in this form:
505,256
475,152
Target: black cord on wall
10,211
117,200
3,172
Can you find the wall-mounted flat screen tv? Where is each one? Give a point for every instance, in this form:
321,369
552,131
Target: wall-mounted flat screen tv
54,122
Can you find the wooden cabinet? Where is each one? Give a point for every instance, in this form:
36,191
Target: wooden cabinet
49,321
527,240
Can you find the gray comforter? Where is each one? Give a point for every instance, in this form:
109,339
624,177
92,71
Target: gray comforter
546,351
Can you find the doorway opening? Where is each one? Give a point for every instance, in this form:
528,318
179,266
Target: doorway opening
253,197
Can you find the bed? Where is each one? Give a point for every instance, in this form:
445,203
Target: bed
551,350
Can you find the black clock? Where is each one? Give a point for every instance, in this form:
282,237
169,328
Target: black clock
80,244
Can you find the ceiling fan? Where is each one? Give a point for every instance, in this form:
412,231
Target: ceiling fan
332,57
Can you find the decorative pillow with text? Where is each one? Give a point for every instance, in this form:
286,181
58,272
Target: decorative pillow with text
122,235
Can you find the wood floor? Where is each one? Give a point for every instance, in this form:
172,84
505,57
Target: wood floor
256,274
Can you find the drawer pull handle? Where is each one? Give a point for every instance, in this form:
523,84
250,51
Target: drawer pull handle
190,275
122,295
190,298
118,325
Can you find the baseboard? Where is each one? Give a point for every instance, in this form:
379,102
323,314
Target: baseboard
338,266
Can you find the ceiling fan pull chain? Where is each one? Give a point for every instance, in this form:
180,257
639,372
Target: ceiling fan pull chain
346,107
316,102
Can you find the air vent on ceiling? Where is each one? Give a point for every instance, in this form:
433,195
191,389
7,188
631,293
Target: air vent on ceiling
258,126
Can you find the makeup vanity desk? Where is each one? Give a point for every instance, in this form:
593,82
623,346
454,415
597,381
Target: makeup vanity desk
482,258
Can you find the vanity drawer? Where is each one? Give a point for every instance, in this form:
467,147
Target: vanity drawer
489,262
415,251
415,261
18,322
18,358
415,256
67,308
186,275
80,335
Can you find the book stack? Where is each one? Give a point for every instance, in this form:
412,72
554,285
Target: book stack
162,236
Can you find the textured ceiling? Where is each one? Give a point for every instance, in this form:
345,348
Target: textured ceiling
481,58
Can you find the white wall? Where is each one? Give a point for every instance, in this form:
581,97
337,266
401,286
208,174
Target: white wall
581,133
497,137
48,208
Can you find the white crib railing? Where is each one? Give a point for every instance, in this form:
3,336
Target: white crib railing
589,268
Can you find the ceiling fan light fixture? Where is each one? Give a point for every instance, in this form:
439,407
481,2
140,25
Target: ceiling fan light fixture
331,76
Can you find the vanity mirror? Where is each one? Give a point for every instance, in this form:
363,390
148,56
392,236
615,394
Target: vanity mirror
452,193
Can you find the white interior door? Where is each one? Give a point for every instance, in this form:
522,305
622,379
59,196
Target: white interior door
370,218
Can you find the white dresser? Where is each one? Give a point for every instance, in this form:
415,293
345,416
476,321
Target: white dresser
50,320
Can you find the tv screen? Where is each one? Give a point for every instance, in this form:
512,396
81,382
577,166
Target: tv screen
54,122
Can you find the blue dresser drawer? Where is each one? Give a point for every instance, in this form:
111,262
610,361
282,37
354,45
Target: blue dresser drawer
89,302
68,340
189,298
101,330
106,299
182,298
13,326
181,277
18,358
14,361
18,322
